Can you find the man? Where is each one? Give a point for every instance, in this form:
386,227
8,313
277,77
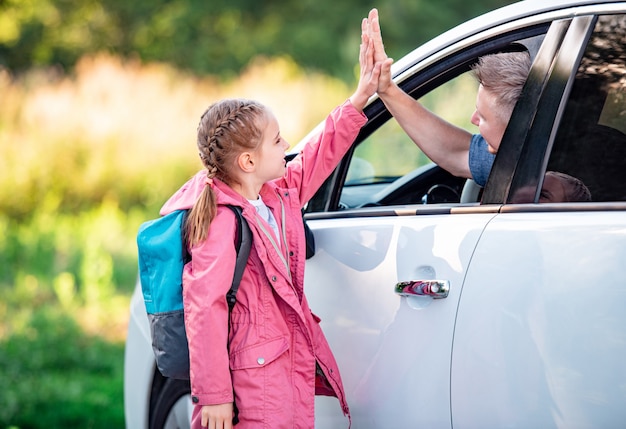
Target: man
501,78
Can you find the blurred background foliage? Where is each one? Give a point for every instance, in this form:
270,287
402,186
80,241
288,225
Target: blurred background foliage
218,37
99,103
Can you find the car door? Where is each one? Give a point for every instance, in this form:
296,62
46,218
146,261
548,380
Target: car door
394,353
540,333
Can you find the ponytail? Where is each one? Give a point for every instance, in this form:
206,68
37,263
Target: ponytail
200,217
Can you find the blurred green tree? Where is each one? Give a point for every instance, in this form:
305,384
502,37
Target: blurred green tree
217,37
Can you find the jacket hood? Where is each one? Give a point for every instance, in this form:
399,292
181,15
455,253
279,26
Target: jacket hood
188,194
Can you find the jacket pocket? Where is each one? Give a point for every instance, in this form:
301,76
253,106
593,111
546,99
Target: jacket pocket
258,355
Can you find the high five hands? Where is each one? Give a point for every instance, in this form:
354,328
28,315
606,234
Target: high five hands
375,75
371,35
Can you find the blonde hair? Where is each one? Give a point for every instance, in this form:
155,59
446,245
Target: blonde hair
503,75
226,129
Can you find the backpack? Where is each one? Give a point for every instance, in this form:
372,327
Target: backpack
162,255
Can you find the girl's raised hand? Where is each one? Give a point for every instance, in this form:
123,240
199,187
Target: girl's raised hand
370,71
380,56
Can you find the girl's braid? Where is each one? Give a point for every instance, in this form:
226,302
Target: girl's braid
219,129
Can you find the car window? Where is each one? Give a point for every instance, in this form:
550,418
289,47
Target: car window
389,155
385,168
590,144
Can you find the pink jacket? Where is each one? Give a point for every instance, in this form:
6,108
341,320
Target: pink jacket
268,355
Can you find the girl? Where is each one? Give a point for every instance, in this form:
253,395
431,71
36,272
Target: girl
264,366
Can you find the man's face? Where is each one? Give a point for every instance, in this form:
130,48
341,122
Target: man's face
486,118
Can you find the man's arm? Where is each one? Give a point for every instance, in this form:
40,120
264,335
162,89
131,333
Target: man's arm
444,143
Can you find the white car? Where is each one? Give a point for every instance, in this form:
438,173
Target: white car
445,304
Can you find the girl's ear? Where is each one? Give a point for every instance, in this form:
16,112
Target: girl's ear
245,161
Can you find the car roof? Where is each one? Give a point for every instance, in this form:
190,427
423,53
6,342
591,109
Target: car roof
520,11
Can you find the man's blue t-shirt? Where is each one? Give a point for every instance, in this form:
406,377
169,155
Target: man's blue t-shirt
480,159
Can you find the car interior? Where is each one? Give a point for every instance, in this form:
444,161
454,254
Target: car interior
591,142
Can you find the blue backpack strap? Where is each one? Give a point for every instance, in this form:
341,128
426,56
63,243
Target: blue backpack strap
242,245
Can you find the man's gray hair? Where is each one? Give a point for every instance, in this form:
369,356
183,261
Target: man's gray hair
503,75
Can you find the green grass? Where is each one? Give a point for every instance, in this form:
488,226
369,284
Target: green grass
56,376
65,286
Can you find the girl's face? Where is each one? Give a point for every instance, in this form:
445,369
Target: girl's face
270,155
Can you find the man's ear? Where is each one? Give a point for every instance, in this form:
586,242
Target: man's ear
246,162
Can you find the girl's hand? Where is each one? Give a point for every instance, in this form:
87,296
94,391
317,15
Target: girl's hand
217,416
370,72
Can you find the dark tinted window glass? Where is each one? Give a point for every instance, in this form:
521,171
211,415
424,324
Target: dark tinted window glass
591,141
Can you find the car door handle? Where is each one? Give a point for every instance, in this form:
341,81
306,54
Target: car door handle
436,288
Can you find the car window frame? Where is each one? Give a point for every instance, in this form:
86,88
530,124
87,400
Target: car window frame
535,150
418,80
537,140
515,137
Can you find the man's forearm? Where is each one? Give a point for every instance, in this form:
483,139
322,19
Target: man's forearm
444,143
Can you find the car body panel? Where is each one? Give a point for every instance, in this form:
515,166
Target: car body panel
551,290
139,364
